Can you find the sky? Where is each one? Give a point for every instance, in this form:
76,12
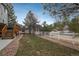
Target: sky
21,10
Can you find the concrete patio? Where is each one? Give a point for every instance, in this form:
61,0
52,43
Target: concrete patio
8,47
4,43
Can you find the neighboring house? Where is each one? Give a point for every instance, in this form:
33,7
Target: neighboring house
8,24
3,14
37,28
7,13
66,29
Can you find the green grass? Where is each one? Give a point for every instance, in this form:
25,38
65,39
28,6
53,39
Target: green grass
31,45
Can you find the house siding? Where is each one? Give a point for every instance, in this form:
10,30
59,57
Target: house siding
3,14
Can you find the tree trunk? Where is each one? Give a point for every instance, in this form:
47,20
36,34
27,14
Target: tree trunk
30,29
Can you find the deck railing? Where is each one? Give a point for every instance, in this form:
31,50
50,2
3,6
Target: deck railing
4,30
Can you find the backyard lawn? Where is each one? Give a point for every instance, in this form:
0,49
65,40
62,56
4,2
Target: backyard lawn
31,45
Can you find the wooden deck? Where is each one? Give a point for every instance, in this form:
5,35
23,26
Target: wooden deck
8,32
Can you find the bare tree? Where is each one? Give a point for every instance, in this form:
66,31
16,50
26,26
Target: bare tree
63,10
30,21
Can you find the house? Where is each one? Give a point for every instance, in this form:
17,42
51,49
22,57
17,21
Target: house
3,14
8,24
